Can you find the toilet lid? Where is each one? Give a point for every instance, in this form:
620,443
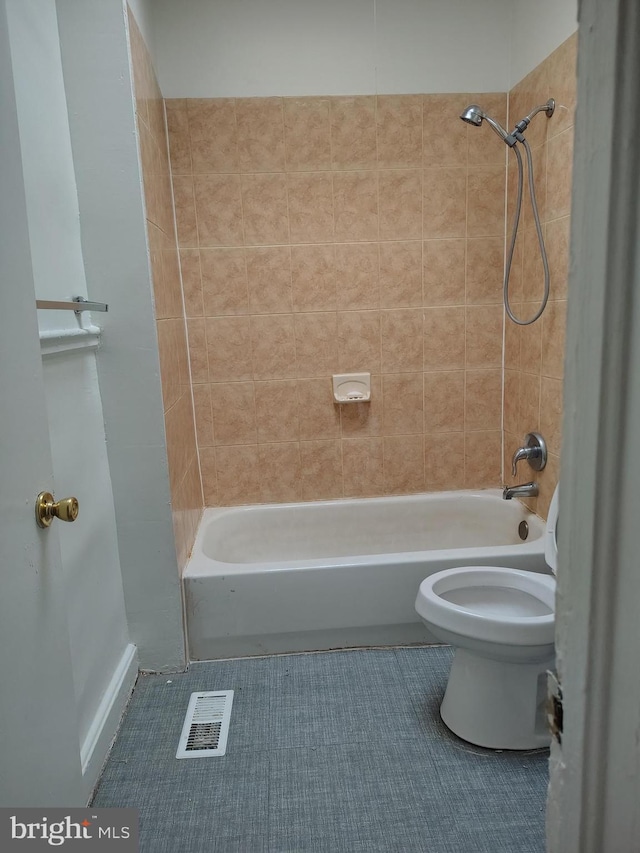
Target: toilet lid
551,535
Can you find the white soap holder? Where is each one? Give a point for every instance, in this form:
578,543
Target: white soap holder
352,387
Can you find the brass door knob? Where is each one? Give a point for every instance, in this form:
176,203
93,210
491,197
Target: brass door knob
47,509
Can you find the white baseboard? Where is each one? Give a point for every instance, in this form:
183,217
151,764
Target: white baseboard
106,721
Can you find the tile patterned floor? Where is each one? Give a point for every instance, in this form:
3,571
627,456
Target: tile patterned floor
337,752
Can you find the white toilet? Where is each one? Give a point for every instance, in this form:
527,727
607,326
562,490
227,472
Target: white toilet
502,623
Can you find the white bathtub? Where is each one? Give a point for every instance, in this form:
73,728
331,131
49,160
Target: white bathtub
337,574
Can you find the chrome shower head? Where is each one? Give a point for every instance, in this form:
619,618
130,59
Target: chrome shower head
474,115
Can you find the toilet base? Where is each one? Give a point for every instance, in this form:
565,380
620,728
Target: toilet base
496,704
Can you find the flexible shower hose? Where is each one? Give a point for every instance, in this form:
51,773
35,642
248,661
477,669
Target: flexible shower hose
514,235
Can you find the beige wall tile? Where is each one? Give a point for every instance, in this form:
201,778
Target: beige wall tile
485,267
482,459
233,408
219,210
400,204
554,322
279,472
444,461
551,413
308,134
353,132
260,134
224,281
530,341
313,271
181,442
264,202
179,142
364,419
444,401
185,209
402,340
310,196
444,338
209,475
400,274
191,282
444,135
198,356
484,146
363,467
403,464
359,341
444,272
557,243
316,344
228,348
321,470
169,370
213,133
403,410
355,202
277,410
203,415
485,207
533,270
511,400
318,413
238,475
484,335
444,203
269,278
528,404
357,279
512,337
559,173
399,123
273,346
483,400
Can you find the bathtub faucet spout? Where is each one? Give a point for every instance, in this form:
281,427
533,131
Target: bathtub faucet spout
525,490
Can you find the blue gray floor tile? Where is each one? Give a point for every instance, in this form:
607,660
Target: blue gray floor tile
340,752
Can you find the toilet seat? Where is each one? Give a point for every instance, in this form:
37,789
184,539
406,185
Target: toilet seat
491,604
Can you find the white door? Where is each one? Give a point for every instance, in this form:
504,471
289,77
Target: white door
39,751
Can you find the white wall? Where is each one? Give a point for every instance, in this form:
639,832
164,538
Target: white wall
98,631
99,92
537,29
239,48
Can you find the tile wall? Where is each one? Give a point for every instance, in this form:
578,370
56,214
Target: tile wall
184,472
534,354
332,234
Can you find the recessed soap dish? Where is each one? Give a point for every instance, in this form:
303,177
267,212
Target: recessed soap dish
352,387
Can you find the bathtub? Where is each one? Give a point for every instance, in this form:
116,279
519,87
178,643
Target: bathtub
339,574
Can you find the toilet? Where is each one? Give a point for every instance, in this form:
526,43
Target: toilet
501,622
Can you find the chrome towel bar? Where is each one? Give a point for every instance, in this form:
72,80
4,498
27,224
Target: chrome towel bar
77,304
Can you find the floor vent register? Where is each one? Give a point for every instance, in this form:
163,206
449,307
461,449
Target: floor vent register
206,726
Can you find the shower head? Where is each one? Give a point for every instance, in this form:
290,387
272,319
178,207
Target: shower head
474,115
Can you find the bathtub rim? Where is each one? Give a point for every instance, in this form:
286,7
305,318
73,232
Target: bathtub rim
200,565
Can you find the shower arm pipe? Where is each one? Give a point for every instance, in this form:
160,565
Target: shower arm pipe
522,125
